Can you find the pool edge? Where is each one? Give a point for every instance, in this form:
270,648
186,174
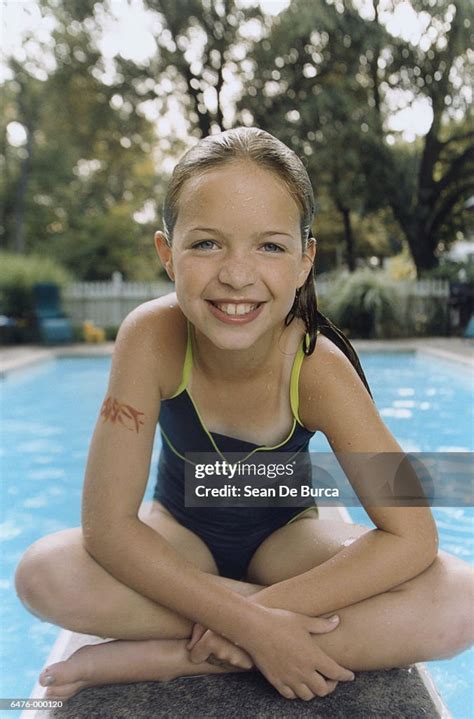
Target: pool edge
23,357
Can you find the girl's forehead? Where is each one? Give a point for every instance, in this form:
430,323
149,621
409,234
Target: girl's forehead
232,190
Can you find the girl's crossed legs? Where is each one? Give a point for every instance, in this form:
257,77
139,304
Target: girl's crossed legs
428,617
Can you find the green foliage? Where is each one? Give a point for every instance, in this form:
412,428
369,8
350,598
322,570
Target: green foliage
426,316
19,274
372,305
111,332
452,271
72,190
321,83
318,78
366,304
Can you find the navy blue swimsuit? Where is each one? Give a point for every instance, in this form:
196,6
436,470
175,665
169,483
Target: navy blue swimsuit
232,534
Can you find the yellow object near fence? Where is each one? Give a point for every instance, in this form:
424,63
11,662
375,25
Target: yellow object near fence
92,333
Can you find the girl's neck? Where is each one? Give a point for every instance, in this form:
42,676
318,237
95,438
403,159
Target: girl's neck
233,365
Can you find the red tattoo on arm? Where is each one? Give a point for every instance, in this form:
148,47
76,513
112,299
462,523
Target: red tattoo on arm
116,411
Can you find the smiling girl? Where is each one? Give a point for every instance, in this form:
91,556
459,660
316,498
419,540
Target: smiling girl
238,360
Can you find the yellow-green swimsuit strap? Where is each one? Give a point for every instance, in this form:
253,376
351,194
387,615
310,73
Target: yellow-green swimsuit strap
295,378
188,363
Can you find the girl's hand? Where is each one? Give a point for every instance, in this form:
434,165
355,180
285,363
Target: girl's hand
197,633
205,643
283,650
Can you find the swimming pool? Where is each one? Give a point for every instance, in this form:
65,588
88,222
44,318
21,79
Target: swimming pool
48,413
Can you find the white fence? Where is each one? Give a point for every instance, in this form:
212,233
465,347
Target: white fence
412,288
107,303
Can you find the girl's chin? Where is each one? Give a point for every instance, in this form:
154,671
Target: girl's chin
233,338
242,342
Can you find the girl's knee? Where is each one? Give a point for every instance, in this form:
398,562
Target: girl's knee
452,589
460,602
38,574
30,575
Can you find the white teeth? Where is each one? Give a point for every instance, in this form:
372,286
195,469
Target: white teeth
242,309
233,309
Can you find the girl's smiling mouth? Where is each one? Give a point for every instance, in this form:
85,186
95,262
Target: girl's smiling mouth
235,312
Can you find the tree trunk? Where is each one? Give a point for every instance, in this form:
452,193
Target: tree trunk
421,251
20,197
348,238
5,205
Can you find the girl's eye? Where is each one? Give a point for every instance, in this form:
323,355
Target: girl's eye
203,245
272,247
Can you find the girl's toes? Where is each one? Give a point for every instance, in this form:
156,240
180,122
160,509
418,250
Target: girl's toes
54,674
64,692
60,673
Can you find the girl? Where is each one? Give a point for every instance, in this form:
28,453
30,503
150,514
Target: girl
238,360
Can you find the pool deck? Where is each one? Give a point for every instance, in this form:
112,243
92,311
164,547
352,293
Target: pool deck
406,693
457,349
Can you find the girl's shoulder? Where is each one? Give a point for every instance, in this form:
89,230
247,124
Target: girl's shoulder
157,327
328,380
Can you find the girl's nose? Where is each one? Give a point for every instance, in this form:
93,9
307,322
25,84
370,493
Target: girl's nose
237,272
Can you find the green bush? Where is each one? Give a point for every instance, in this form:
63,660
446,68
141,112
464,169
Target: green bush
111,333
365,304
19,274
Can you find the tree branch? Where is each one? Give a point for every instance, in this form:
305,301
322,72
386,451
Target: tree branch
445,209
457,138
450,175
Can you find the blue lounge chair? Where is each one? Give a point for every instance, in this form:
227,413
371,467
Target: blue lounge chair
53,327
469,331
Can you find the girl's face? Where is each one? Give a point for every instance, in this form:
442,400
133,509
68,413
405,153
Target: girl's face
237,258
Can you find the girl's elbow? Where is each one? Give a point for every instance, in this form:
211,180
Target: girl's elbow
427,551
434,548
425,542
94,538
90,542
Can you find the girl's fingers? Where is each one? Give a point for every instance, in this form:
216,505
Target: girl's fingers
202,646
199,653
197,633
304,692
319,685
321,625
235,657
286,692
202,649
333,670
246,662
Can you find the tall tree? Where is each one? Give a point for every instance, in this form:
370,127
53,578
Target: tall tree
87,170
322,79
428,187
306,90
22,104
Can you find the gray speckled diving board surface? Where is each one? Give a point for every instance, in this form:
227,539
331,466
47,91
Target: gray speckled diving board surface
397,693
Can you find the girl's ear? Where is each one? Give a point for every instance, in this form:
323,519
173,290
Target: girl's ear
164,253
307,261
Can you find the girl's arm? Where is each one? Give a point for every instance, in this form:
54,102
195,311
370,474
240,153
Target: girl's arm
404,542
116,478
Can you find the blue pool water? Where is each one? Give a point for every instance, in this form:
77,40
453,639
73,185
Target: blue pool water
48,413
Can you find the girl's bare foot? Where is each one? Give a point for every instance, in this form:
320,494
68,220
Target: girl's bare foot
120,661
